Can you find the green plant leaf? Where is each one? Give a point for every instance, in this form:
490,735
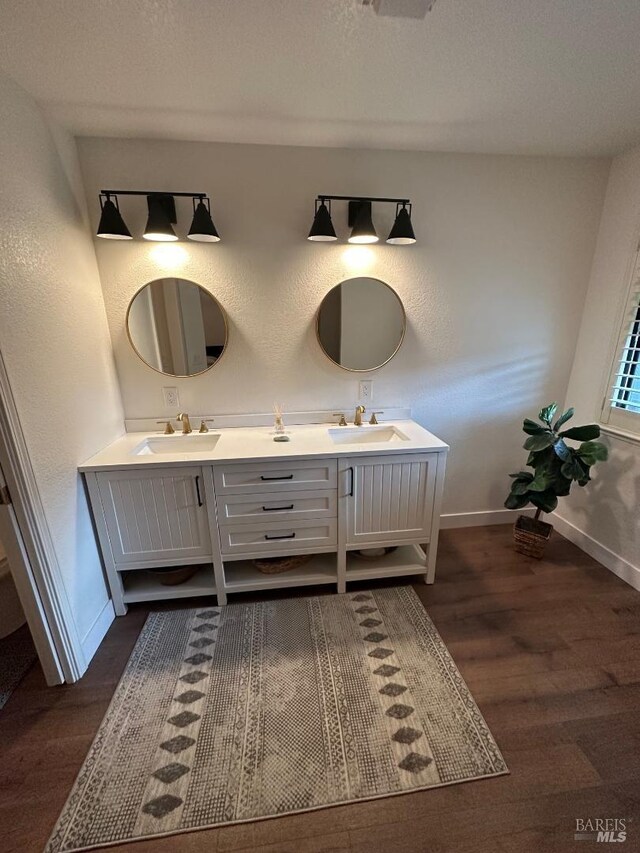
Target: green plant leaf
531,427
561,450
582,433
592,451
539,442
573,469
542,458
516,501
521,482
563,419
541,482
546,501
546,414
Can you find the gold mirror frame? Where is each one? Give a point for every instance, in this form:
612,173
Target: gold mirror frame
178,375
400,342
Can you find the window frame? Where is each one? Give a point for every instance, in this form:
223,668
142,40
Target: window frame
615,419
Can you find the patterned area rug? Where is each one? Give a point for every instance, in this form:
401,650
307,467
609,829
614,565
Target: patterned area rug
255,710
17,654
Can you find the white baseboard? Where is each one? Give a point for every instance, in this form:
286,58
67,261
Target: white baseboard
612,561
480,519
96,633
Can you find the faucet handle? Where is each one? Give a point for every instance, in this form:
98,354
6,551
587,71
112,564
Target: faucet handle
343,420
168,429
203,424
373,419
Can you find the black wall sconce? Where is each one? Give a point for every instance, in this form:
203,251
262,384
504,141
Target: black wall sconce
360,220
161,217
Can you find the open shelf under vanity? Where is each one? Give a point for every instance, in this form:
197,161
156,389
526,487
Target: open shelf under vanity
405,560
243,576
140,585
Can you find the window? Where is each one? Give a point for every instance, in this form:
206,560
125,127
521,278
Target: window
622,401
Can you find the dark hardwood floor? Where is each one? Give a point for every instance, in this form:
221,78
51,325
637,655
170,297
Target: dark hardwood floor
550,651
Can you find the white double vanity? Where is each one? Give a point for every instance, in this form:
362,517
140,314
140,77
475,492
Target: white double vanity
363,501
222,499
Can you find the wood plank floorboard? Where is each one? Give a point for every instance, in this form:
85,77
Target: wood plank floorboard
550,651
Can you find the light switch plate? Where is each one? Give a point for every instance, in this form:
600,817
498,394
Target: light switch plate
365,389
171,398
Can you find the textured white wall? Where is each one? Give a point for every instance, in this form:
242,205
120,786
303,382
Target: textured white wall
53,333
493,290
608,509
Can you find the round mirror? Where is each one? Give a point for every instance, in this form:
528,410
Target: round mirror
176,327
361,324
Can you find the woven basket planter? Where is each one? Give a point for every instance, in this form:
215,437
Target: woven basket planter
531,536
171,576
277,565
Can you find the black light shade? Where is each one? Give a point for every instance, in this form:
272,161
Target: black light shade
112,226
363,230
322,230
159,226
402,232
202,228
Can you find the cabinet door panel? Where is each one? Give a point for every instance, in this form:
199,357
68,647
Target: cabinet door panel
389,498
155,515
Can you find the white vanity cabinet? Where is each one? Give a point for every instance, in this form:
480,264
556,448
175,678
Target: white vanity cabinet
274,509
388,499
222,515
156,517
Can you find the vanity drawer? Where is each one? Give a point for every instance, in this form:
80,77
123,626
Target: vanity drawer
276,537
283,508
254,478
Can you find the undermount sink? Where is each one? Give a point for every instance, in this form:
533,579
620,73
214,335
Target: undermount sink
366,435
164,444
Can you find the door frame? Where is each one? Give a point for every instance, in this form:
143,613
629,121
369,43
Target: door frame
32,557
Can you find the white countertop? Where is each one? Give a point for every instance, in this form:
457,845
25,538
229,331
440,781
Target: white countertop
256,444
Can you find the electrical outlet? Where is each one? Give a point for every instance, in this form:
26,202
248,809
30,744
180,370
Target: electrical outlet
171,398
365,390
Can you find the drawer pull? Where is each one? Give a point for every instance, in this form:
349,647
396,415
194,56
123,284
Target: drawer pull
281,477
286,536
276,508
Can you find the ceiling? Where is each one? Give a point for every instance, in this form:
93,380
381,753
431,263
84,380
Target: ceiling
508,76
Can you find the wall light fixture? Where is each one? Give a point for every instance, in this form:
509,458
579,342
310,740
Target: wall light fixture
360,220
161,217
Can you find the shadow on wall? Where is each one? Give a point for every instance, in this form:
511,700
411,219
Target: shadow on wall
605,510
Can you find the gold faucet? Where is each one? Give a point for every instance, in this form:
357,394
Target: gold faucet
360,410
186,423
168,429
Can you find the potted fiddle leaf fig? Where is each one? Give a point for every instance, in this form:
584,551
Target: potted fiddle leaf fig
556,466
